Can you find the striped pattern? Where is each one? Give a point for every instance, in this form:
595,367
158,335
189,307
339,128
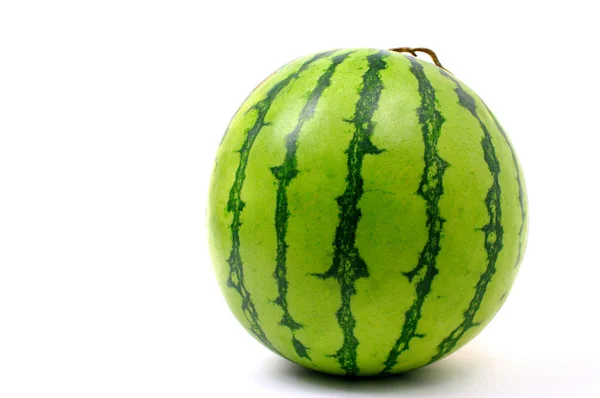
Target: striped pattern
235,204
493,230
430,189
347,265
317,164
284,174
519,183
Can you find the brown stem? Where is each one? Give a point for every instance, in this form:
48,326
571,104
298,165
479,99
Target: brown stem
413,51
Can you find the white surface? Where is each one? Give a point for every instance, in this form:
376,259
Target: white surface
110,115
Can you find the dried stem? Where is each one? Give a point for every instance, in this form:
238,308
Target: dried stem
414,51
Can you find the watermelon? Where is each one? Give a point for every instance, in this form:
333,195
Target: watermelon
367,213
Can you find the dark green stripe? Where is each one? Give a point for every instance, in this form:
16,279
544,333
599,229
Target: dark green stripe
431,189
235,204
347,265
284,174
519,183
493,229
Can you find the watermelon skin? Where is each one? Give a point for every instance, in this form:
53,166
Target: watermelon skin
367,213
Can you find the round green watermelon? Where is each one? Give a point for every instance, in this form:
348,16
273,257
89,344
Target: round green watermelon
367,213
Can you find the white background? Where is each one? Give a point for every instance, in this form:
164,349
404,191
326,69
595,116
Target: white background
110,116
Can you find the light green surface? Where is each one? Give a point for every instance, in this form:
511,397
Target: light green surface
392,230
